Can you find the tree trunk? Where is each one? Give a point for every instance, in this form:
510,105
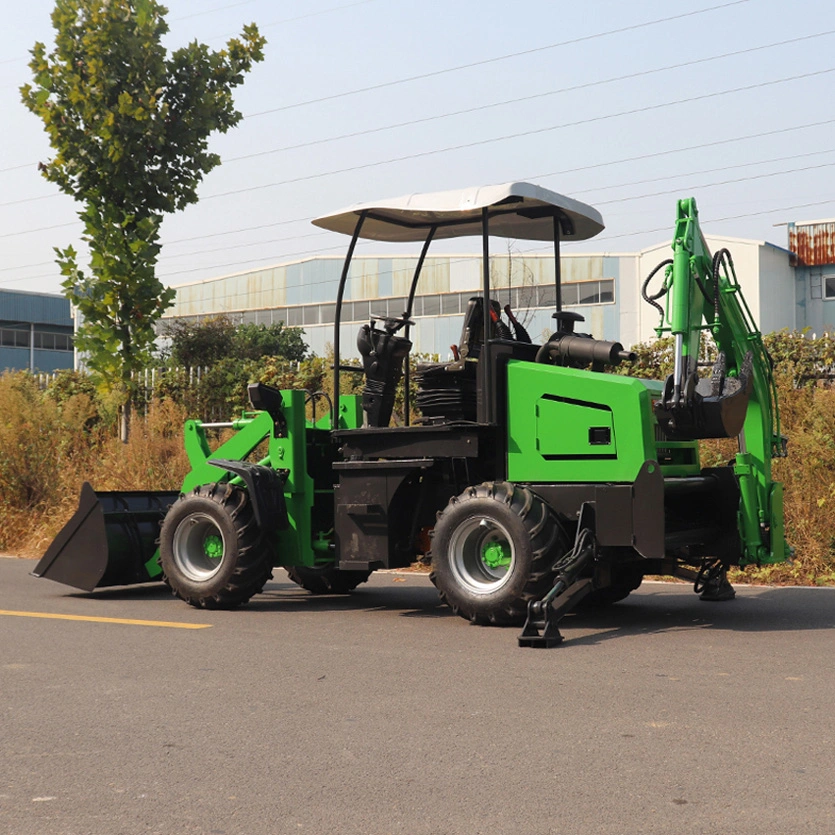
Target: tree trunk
124,421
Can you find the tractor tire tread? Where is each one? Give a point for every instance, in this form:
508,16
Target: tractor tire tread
547,542
253,567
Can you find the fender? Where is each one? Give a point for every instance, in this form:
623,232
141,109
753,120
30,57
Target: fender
266,492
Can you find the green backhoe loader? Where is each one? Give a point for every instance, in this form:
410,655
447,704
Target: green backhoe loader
541,478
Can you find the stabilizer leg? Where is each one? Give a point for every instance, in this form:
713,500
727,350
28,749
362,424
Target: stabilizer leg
540,629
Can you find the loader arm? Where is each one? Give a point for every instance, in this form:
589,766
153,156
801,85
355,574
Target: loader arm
739,398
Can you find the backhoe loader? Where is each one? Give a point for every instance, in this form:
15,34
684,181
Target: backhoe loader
540,478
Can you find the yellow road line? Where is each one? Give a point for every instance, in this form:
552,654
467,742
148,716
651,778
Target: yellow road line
91,619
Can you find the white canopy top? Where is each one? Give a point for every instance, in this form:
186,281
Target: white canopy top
517,210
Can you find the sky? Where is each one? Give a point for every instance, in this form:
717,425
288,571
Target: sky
624,106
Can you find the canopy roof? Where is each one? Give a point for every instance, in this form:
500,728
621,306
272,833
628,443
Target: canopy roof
516,210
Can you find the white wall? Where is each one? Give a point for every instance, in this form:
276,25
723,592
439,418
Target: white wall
778,307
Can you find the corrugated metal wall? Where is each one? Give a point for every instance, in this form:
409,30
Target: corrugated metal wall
316,280
813,243
40,308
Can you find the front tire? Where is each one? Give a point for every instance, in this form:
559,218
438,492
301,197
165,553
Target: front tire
493,549
211,551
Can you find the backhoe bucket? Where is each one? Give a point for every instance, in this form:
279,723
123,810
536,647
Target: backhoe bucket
716,406
109,541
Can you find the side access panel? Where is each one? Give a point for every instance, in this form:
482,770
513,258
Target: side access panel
566,425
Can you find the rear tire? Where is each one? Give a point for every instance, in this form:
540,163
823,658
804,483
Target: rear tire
493,549
211,550
328,580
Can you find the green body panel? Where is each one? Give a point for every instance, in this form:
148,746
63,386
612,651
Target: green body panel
299,544
554,413
294,546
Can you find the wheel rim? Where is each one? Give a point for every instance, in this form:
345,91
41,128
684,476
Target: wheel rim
198,547
482,555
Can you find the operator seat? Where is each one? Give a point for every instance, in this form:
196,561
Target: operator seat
447,391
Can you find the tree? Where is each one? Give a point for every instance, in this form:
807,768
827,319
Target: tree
202,343
216,338
256,341
130,127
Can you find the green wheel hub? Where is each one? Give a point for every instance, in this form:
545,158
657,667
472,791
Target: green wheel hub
482,554
496,555
213,546
198,547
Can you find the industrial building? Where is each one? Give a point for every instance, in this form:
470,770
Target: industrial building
790,288
812,244
36,331
604,288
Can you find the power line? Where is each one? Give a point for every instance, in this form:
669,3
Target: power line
598,203
496,59
257,261
602,238
656,230
520,134
529,251
542,176
245,246
39,229
31,199
534,178
533,97
236,231
718,183
316,14
232,6
212,11
706,220
684,149
708,171
521,99
25,267
506,102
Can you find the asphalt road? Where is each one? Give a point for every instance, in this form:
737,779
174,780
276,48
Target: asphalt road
383,713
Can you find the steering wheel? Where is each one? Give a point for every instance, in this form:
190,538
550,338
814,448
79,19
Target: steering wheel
392,324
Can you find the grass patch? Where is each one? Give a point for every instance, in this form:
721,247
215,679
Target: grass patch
53,441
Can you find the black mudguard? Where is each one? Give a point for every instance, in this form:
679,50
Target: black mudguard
266,492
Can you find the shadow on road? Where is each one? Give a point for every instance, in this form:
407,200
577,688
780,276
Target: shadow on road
654,608
657,609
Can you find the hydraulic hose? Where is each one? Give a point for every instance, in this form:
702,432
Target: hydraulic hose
653,300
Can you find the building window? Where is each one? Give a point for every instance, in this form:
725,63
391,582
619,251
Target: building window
829,286
53,341
14,338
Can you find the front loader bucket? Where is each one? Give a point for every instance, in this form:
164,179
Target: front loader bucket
109,541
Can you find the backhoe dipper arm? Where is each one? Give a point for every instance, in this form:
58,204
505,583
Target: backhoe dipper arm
739,397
